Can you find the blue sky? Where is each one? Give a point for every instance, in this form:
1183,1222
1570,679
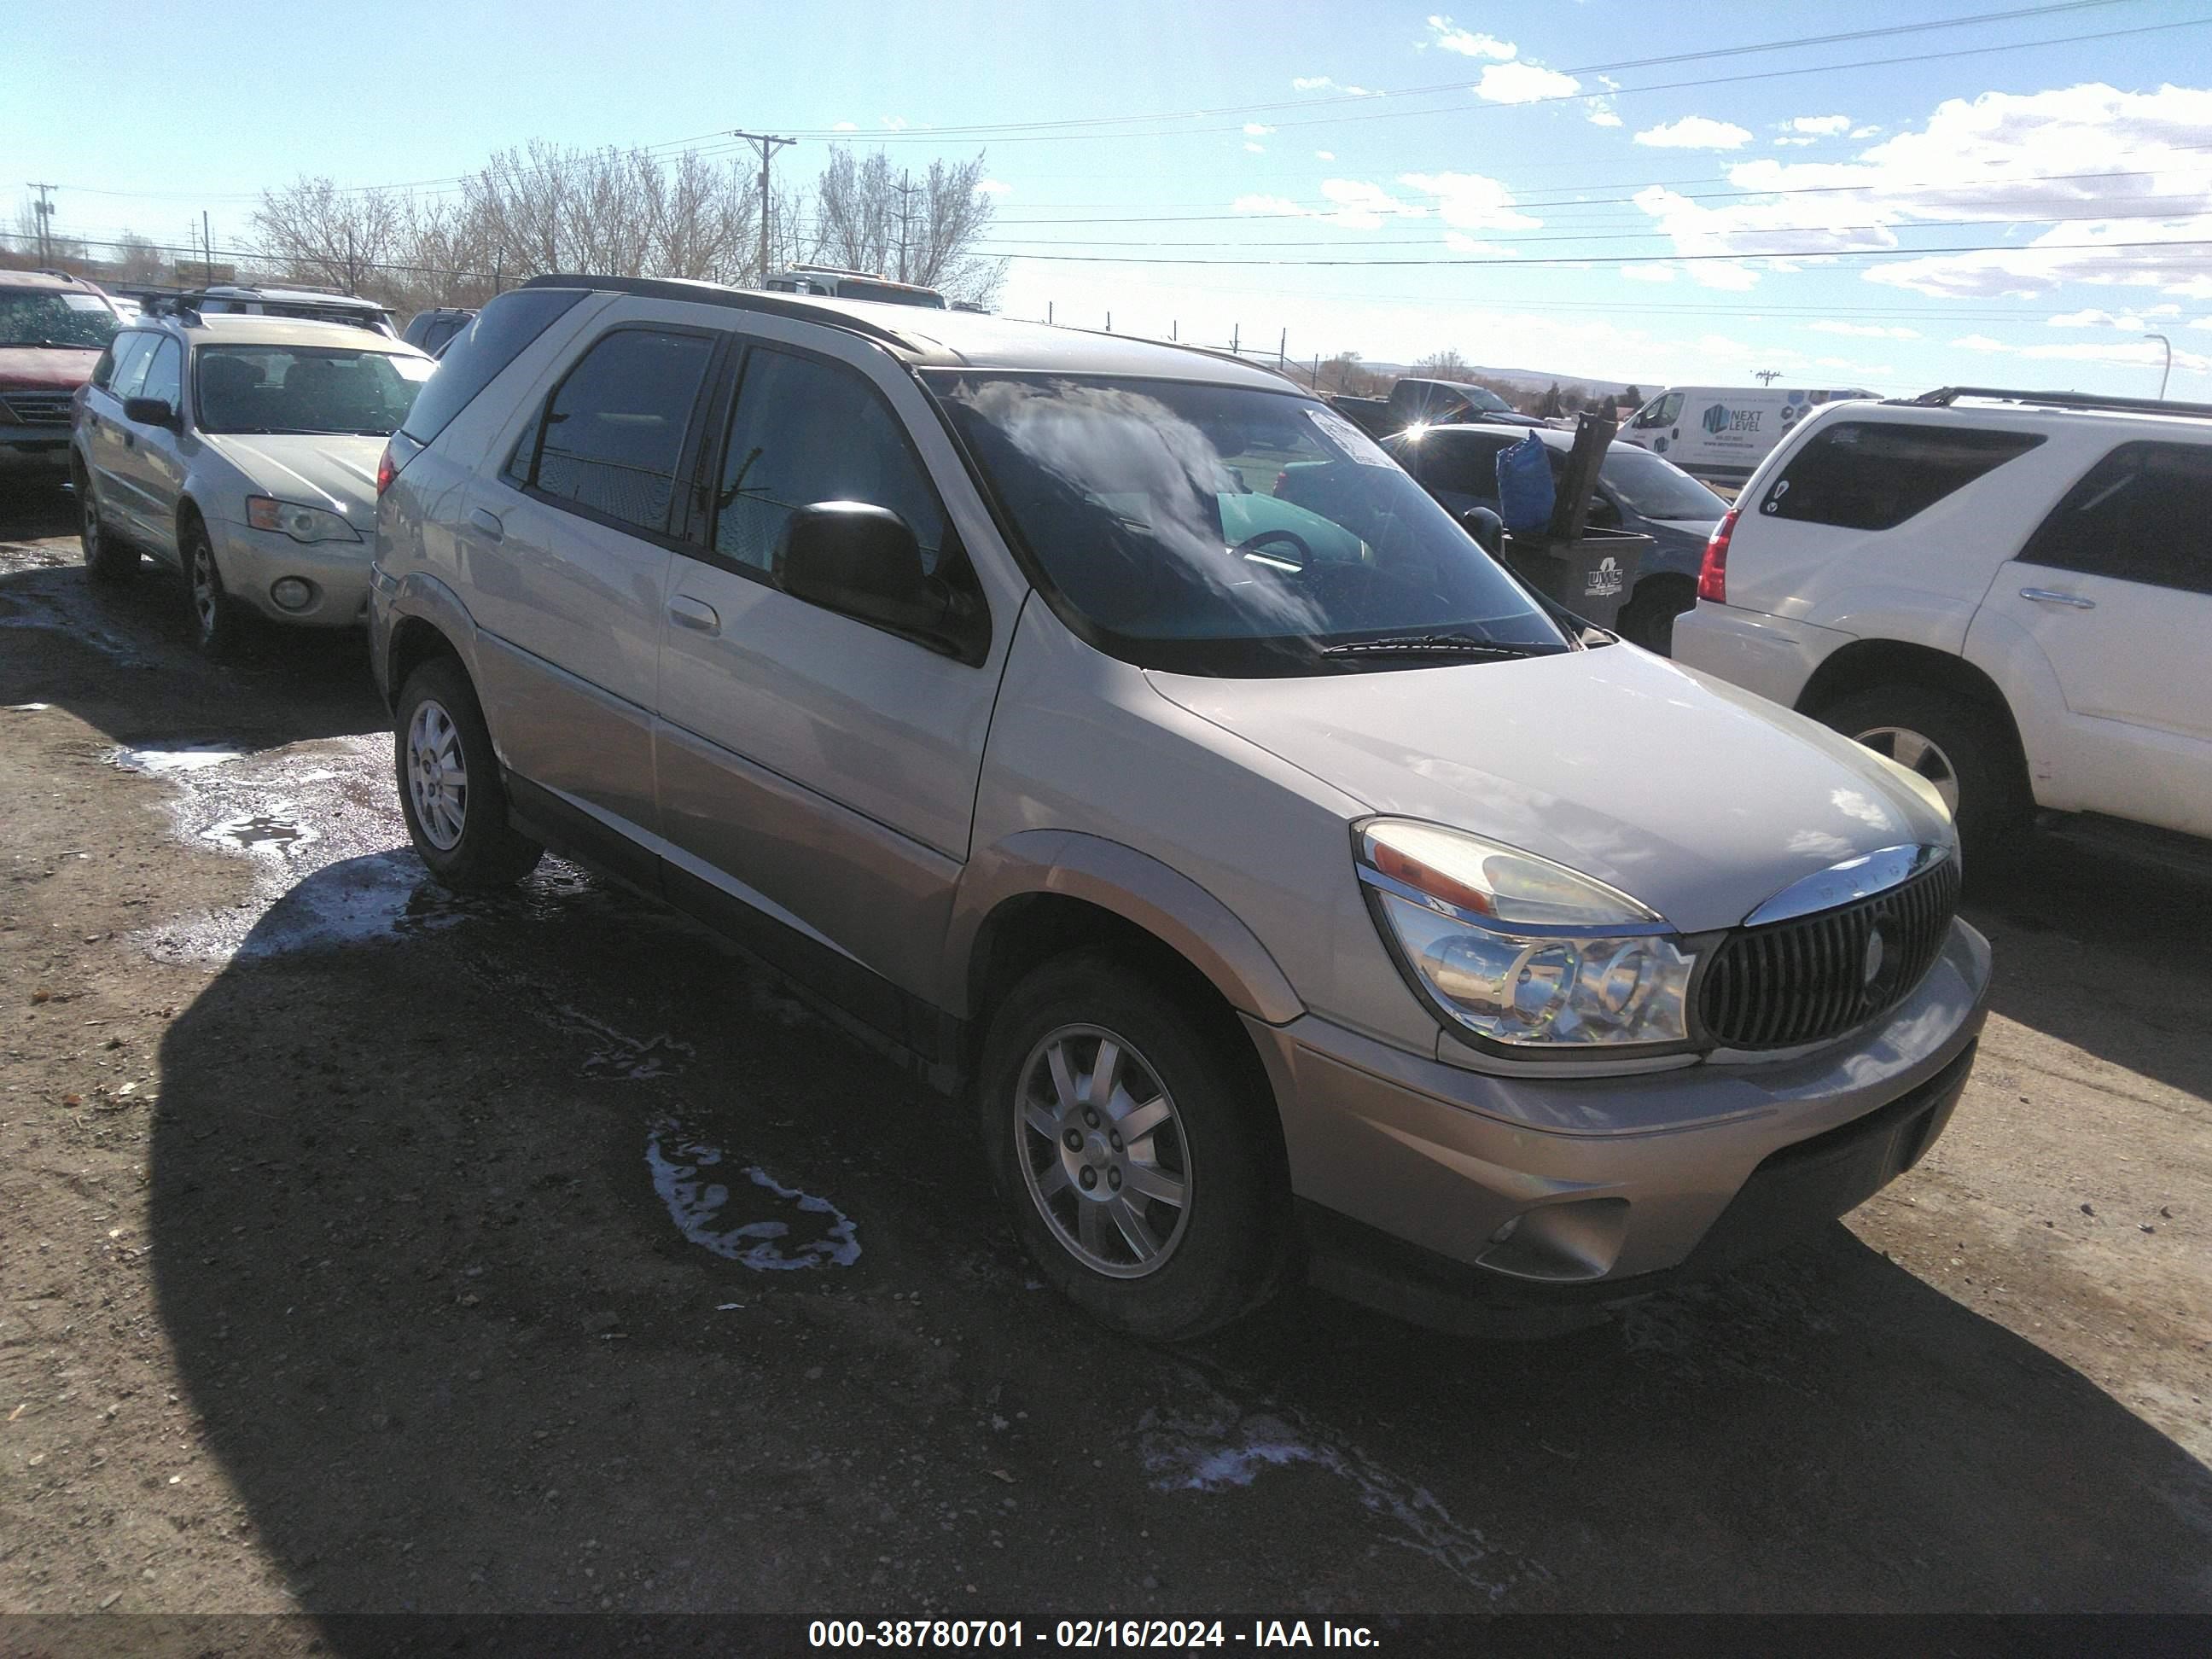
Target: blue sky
1603,220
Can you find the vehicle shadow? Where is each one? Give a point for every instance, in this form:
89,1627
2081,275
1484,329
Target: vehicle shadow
2066,919
532,1256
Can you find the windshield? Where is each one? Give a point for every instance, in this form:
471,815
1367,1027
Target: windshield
42,318
1658,489
850,288
1481,397
267,388
1216,530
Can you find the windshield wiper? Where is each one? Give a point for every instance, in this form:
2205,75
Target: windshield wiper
1436,645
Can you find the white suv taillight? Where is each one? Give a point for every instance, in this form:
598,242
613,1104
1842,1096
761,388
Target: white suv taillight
1712,575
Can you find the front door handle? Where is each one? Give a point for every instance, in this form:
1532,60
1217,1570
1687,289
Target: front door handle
2052,596
487,521
696,614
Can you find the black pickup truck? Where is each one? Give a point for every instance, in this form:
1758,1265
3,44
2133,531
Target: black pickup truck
1429,403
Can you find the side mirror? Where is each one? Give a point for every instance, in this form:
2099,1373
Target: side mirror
1603,513
860,560
1486,526
149,411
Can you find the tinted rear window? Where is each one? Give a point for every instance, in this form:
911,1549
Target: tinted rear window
489,344
1874,474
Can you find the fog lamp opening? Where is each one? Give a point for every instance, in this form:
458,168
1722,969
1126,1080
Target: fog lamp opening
292,594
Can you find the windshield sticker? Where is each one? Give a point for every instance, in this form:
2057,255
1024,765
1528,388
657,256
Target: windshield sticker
83,302
1349,438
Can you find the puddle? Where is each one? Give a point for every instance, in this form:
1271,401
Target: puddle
180,757
764,1225
1216,1446
274,829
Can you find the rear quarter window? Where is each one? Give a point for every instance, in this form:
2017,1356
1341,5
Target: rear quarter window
1874,474
494,339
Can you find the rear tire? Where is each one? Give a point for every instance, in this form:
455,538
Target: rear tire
109,559
450,790
1198,1182
1961,747
1648,618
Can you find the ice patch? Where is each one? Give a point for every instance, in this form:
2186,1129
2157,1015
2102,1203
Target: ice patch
183,757
619,1053
704,1213
28,707
1217,1446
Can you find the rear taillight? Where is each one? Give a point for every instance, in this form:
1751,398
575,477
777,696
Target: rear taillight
387,469
1712,575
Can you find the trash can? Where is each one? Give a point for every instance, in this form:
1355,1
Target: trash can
1591,574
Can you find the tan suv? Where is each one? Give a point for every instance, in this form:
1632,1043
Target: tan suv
1286,887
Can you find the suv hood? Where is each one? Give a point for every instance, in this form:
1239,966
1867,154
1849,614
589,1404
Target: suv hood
335,471
46,369
1697,798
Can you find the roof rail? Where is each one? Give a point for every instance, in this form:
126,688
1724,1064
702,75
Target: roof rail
1944,396
694,292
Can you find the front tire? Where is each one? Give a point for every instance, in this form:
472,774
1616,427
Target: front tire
1140,1163
219,623
1961,747
109,559
450,790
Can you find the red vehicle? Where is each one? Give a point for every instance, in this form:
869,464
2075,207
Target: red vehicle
53,329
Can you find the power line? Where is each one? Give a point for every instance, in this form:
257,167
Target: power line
1628,258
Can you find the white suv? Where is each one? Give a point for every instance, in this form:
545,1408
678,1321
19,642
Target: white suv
2008,591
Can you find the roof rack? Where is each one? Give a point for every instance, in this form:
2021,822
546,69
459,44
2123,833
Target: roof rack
694,292
1944,396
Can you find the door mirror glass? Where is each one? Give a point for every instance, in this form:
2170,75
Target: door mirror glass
149,411
1603,515
859,560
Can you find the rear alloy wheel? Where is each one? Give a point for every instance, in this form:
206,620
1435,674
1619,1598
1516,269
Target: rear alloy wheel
1140,1162
109,559
1959,746
218,622
450,791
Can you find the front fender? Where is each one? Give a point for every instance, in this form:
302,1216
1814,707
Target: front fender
1133,885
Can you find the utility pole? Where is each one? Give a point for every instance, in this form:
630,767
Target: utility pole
43,211
2168,374
1766,376
906,187
767,143
207,248
1282,349
349,275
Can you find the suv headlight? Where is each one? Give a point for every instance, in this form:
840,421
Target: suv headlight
1519,950
302,524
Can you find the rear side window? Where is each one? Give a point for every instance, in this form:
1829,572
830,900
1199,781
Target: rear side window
1460,462
613,433
805,432
2142,514
1874,474
489,343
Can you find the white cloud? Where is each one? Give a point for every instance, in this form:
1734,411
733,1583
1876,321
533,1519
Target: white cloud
1359,205
895,122
1978,342
1727,274
2124,353
1465,42
1865,132
1470,201
1310,84
1783,143
2201,322
2095,319
1324,155
1866,331
1649,273
846,126
1256,149
1822,126
1523,83
1460,242
1601,113
995,187
1695,132
1256,129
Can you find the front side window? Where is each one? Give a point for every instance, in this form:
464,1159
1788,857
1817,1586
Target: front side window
165,374
1655,487
1129,496
613,433
328,389
132,352
806,431
2142,514
41,317
1874,474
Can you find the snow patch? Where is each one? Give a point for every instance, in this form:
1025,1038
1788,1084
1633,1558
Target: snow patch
182,758
710,1215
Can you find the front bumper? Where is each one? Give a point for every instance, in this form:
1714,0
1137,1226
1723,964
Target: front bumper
35,451
253,560
1773,657
1416,1176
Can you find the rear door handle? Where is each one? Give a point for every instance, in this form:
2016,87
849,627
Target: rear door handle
487,521
696,614
2052,596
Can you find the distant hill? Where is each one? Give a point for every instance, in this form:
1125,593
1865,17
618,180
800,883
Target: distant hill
1527,380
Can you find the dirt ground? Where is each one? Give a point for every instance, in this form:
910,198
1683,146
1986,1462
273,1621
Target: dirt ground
365,1250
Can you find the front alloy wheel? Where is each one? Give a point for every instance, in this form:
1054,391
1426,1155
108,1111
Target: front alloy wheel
1103,1153
437,776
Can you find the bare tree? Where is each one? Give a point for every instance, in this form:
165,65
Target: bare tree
314,232
1344,374
1445,365
920,229
136,259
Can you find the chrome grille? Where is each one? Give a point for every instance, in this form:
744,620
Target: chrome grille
1806,980
37,408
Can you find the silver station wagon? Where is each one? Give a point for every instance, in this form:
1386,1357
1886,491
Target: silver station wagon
1288,888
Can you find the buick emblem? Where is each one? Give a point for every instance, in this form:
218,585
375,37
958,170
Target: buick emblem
1877,948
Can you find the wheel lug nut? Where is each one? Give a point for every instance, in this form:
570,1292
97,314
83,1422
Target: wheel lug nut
1114,1141
1089,1178
1114,1179
1073,1141
1090,1117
